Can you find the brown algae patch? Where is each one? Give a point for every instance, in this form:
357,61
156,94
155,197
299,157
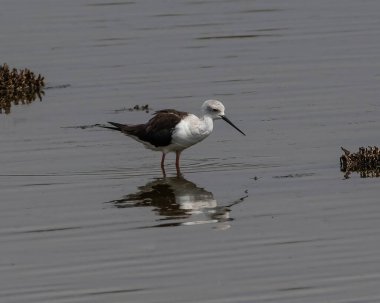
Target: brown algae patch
19,87
366,162
137,107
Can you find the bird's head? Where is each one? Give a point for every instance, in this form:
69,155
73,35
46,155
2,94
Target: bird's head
215,110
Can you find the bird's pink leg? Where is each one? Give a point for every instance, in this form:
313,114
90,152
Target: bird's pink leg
163,164
177,153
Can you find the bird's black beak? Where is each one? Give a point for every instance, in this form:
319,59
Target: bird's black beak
230,123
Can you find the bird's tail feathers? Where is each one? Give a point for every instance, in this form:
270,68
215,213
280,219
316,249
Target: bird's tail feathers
116,126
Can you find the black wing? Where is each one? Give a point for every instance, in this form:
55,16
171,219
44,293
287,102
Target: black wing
157,131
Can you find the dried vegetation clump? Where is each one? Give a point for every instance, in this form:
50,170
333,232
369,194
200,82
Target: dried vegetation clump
366,162
137,107
19,87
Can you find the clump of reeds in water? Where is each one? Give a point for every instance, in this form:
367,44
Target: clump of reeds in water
366,162
19,87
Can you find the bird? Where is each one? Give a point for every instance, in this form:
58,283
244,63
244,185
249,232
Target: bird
170,130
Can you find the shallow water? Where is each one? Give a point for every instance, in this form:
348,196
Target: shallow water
263,218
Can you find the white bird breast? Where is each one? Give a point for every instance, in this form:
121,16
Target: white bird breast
191,130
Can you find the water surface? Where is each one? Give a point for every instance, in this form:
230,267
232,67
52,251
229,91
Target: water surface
85,215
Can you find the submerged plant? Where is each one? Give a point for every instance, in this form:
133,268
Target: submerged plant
137,107
366,162
19,87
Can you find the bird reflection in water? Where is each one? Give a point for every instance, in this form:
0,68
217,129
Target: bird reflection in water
179,202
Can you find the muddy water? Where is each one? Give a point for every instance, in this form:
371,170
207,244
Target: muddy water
85,215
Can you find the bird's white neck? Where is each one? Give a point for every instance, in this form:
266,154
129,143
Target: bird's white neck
207,124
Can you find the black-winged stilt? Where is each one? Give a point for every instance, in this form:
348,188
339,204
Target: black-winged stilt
173,131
